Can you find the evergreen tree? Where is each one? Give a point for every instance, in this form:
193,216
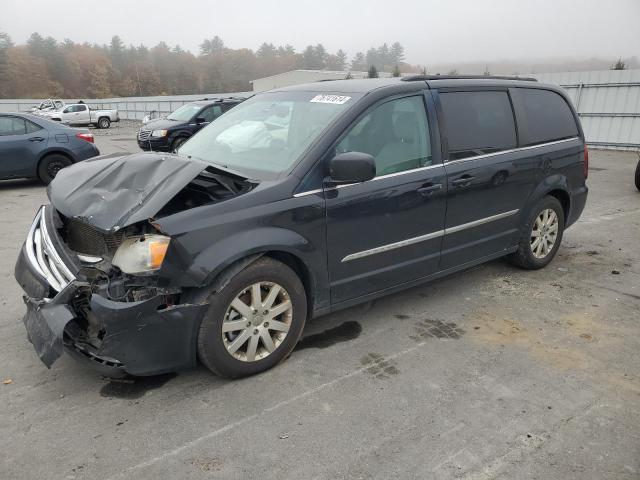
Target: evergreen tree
396,71
397,53
619,65
373,72
359,63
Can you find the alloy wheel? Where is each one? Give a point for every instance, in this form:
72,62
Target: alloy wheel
544,233
257,321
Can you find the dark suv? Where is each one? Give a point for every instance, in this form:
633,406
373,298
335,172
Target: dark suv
167,134
298,202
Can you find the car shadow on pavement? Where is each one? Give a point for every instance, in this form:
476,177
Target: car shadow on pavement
20,183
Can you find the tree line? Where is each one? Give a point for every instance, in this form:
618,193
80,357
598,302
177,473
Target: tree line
45,67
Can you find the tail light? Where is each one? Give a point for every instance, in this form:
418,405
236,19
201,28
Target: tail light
87,137
585,166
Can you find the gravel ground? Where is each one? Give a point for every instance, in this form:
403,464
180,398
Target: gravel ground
490,373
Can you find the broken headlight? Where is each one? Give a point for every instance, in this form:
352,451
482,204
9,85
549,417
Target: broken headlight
141,254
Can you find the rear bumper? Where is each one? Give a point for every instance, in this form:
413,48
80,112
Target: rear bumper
138,338
578,202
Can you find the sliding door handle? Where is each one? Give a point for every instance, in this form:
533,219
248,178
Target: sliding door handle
429,189
462,181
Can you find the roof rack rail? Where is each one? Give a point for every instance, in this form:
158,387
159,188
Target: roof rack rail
417,78
222,99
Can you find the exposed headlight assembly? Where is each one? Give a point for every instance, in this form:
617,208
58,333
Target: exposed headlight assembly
159,133
141,254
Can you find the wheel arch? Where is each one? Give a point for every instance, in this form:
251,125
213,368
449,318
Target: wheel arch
213,268
55,151
556,186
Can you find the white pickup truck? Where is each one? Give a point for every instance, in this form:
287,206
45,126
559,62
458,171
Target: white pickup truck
81,114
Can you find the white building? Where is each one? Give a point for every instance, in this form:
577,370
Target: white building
296,77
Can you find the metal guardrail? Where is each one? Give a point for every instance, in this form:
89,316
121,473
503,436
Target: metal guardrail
129,108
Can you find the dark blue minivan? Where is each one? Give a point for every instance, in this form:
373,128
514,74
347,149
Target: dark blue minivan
296,203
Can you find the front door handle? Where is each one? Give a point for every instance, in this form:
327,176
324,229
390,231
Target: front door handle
36,139
429,189
462,181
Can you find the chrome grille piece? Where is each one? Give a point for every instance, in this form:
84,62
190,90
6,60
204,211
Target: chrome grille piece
43,256
144,134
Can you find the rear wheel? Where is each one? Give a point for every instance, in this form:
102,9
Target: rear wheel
541,235
104,123
50,166
254,322
638,175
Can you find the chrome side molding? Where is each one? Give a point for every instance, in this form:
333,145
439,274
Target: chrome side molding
428,236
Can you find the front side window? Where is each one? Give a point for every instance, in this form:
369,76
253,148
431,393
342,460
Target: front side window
265,136
211,113
547,117
12,126
395,133
478,123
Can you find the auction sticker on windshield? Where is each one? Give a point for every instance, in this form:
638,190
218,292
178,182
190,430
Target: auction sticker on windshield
335,99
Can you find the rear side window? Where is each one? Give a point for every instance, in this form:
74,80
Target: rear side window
32,127
478,123
547,117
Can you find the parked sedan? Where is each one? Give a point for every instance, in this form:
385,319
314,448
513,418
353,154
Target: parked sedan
34,147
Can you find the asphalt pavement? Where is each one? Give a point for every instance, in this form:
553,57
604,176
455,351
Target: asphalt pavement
493,373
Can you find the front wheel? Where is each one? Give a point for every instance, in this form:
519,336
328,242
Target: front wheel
541,235
254,322
104,123
638,175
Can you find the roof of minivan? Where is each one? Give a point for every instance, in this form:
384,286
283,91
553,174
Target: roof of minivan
369,84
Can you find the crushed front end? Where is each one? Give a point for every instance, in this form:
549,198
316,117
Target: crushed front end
78,300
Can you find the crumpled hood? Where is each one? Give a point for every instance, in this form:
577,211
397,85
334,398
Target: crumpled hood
112,192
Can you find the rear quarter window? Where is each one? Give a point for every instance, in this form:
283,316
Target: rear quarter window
546,116
478,123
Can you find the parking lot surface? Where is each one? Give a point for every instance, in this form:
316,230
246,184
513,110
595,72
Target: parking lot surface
492,373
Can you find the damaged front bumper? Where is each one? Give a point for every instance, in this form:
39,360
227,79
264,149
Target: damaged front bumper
146,337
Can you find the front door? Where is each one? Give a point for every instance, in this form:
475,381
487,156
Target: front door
489,177
387,231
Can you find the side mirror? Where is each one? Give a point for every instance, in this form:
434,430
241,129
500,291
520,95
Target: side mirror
200,120
352,167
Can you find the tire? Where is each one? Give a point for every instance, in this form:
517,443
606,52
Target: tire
228,354
104,122
50,165
177,143
531,254
638,175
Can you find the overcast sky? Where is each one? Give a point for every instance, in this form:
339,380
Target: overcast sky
430,30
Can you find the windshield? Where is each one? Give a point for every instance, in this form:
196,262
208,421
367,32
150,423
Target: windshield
264,136
184,113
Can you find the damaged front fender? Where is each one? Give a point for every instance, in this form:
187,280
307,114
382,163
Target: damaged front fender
148,337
